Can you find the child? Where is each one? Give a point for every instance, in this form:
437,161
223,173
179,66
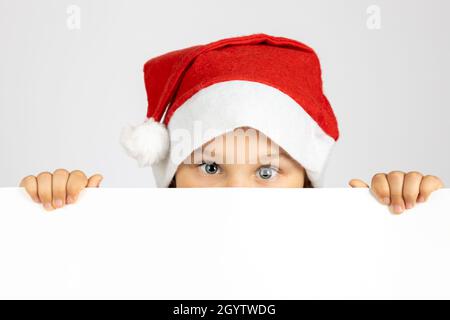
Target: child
247,111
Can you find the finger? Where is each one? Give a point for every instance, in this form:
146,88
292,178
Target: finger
77,182
356,183
395,179
411,187
30,185
427,186
380,188
59,182
94,181
44,185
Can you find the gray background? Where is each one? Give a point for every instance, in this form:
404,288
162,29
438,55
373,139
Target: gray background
65,94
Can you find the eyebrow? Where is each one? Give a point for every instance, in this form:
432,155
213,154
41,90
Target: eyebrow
263,157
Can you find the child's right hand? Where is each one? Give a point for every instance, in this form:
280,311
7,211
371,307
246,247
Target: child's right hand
60,188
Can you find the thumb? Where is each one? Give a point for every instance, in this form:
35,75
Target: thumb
94,181
356,183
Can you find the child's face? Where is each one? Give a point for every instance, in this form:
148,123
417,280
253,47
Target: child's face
242,158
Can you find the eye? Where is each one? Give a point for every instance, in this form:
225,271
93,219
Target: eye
210,168
267,172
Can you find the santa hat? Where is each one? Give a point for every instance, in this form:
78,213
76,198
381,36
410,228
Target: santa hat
272,84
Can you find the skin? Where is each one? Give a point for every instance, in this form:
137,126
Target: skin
396,189
285,171
54,190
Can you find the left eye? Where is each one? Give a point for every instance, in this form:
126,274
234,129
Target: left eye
266,172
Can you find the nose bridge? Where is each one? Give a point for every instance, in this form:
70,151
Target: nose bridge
238,179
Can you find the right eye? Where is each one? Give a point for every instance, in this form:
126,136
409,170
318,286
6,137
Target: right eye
210,167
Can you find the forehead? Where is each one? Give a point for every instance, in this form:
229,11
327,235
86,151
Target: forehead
243,145
243,138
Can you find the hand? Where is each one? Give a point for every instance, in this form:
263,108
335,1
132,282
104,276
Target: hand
400,190
60,188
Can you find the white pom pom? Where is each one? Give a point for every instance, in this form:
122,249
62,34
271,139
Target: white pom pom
148,142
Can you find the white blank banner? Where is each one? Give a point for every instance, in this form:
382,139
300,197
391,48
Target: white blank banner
225,243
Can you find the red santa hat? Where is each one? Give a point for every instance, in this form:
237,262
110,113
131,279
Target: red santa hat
272,84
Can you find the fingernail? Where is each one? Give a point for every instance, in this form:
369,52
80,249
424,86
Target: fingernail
48,206
58,203
398,208
69,199
36,200
386,200
421,199
409,205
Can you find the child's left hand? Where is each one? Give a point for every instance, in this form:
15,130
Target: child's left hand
400,190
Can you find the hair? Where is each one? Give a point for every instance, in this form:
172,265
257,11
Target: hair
307,184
